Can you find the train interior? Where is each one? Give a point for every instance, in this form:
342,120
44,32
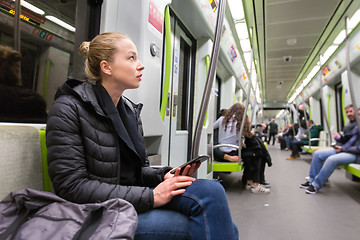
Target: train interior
273,56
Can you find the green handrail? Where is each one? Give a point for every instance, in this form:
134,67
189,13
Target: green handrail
343,105
207,63
47,69
46,178
167,63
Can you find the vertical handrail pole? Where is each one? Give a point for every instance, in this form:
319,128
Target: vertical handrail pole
17,33
247,103
209,79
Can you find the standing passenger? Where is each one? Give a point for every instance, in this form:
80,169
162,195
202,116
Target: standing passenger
96,151
273,130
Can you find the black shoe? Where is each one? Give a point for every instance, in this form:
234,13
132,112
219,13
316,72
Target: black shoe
305,185
311,190
266,185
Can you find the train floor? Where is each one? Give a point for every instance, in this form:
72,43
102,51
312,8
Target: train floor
288,212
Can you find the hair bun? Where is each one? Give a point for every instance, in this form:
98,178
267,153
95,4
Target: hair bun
84,49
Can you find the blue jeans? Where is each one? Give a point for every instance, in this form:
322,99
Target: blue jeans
295,145
319,172
202,212
288,141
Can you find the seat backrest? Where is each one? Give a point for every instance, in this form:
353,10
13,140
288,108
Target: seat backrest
322,139
20,159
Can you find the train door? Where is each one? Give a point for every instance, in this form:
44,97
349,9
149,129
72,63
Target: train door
180,113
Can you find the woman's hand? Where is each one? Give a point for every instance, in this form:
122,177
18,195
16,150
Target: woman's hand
171,187
188,171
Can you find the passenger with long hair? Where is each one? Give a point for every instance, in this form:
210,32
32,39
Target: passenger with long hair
96,152
253,150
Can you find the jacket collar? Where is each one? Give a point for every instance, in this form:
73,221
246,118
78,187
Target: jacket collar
85,92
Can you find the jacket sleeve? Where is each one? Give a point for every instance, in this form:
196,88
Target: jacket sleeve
266,154
354,149
67,163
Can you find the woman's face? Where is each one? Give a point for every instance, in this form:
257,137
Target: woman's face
126,68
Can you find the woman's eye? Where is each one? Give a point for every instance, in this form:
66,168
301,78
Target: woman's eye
132,58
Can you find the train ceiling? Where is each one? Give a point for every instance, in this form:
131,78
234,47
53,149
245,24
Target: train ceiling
289,36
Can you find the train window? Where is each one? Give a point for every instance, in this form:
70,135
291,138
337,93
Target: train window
45,39
183,96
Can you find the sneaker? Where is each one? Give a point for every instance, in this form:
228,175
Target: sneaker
260,189
248,186
265,185
305,185
311,190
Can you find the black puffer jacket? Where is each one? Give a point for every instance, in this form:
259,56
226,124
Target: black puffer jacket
84,152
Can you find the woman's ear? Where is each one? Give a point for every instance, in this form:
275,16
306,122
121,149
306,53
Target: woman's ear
105,67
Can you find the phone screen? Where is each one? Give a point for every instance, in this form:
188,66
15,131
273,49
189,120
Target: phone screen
200,158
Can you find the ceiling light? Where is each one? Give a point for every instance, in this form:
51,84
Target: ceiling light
313,71
354,20
328,53
245,45
236,8
61,23
280,113
31,7
242,30
291,41
340,38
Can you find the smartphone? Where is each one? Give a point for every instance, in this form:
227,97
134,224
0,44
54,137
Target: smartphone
201,158
333,145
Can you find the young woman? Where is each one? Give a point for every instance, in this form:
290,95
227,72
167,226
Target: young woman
229,128
96,152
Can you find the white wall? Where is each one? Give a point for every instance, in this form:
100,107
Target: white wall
315,110
227,92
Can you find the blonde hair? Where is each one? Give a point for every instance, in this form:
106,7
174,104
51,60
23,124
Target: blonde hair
9,66
102,47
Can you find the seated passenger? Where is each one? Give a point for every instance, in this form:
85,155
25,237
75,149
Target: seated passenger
96,151
17,103
325,161
304,140
218,154
229,128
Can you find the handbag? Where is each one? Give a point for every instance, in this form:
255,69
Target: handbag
32,214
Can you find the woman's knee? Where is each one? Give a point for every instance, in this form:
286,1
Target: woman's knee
207,188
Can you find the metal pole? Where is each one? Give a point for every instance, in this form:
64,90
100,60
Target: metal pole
246,104
306,120
17,25
348,70
209,79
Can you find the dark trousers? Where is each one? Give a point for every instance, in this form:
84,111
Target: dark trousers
295,147
219,155
273,136
252,169
282,143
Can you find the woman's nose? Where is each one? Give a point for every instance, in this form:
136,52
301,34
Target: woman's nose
141,66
